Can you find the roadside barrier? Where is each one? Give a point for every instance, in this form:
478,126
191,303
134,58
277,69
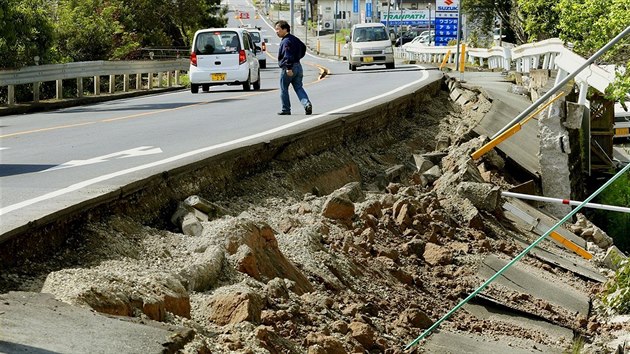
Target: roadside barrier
144,70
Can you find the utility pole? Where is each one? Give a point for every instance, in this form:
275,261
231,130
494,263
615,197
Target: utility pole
459,26
335,27
291,12
306,22
429,7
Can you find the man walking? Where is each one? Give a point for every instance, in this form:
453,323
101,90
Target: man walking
291,51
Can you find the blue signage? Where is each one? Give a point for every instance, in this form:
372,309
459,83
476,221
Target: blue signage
355,6
445,30
368,9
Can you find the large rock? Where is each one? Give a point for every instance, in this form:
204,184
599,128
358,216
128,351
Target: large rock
204,271
437,255
254,249
413,317
362,333
121,293
231,307
338,207
484,196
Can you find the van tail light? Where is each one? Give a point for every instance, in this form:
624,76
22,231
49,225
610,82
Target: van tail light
242,57
193,59
264,46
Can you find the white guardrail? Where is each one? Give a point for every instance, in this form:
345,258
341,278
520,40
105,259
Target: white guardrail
547,54
148,74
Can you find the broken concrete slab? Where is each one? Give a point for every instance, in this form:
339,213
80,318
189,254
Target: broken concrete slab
526,279
38,323
493,313
514,208
443,342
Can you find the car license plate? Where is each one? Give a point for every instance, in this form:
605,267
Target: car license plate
622,131
218,77
368,59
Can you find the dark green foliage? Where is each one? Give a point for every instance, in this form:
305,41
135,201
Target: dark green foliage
71,30
26,31
616,224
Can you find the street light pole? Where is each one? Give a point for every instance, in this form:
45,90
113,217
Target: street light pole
306,22
429,7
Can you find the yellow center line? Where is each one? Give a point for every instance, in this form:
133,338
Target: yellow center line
46,129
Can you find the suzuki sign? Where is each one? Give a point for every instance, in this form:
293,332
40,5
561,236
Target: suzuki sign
447,5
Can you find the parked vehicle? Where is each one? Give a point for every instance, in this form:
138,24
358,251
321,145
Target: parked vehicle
422,39
260,42
369,44
622,122
223,56
410,34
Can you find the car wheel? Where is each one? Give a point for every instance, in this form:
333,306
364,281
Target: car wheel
205,88
247,85
353,67
390,65
263,64
194,88
257,83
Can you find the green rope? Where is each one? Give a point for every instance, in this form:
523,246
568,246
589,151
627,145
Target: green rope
517,258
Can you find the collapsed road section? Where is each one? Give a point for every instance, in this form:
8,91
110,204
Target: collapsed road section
354,237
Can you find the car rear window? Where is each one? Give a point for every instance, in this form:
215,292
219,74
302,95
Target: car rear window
255,36
217,42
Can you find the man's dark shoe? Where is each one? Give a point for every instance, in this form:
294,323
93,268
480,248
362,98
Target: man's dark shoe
309,109
283,113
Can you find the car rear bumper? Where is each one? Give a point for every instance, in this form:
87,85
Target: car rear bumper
200,76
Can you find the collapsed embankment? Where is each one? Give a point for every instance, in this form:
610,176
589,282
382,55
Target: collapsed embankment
351,238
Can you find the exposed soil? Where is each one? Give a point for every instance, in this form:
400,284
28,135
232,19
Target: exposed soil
297,260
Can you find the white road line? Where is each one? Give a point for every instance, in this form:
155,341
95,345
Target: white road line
80,185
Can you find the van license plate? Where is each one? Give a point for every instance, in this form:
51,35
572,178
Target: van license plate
218,77
368,59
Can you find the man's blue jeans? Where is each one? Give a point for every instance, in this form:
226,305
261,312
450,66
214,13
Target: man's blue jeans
296,81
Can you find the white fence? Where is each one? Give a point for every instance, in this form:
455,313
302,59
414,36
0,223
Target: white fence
153,72
547,54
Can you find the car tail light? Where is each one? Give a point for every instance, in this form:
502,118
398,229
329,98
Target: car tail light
242,57
264,46
193,59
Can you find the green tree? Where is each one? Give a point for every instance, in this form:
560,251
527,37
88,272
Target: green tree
90,29
589,25
539,19
26,32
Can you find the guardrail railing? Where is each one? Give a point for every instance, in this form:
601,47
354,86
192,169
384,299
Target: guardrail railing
151,71
547,54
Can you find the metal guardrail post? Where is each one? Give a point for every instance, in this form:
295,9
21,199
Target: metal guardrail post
126,83
79,87
36,88
59,89
11,98
97,85
112,84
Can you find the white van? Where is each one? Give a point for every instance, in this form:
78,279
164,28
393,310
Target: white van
223,56
369,44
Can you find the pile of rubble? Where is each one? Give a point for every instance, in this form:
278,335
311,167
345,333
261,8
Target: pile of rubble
365,268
